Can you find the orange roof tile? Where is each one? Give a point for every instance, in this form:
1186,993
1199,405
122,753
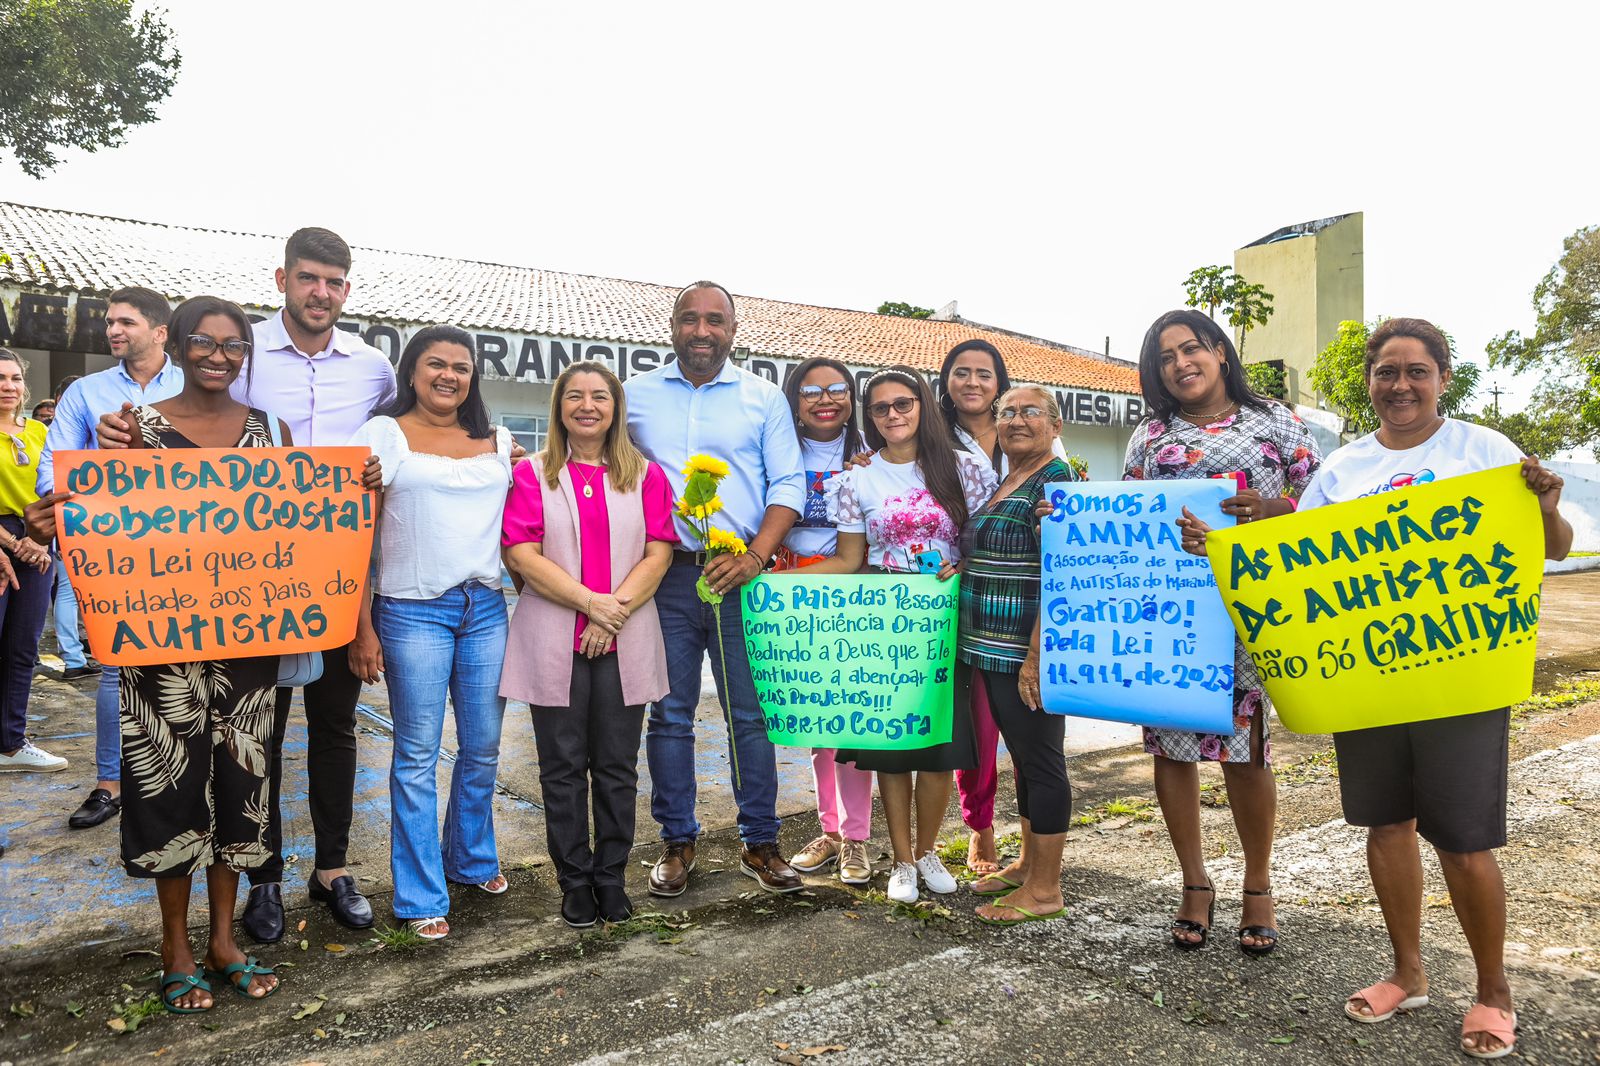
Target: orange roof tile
71,251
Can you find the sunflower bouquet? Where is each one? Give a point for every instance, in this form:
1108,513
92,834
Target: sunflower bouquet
704,473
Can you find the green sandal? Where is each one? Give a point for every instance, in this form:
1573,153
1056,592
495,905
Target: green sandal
247,970
1006,883
1027,915
174,986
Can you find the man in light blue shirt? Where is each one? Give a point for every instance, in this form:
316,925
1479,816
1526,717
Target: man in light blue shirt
703,403
136,330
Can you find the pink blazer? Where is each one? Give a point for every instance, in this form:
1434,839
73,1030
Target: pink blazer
538,665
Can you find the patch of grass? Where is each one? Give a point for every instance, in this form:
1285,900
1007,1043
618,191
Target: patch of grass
668,928
130,1015
1136,808
1313,767
953,852
925,911
1569,691
399,937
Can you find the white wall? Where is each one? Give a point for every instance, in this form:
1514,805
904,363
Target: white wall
1580,502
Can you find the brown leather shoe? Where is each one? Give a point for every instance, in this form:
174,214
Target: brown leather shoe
670,875
766,865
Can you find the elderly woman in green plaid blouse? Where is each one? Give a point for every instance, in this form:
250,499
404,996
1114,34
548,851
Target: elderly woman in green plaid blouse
999,639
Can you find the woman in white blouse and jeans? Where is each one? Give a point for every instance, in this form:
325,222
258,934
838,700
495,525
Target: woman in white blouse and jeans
437,621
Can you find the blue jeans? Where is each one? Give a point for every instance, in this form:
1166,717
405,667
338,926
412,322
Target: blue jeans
107,728
454,644
67,634
688,627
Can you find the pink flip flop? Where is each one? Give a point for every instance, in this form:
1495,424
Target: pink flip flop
1502,1025
1384,998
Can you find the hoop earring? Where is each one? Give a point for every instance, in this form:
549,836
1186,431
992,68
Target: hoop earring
1225,368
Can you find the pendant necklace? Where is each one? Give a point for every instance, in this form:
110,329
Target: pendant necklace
588,486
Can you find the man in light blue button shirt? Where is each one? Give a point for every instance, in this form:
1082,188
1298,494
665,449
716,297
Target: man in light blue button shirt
703,403
136,330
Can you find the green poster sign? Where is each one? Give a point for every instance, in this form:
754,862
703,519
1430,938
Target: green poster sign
853,661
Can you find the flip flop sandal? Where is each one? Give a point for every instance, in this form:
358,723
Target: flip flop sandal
240,974
1006,885
174,986
1499,1024
1186,925
1027,915
1384,998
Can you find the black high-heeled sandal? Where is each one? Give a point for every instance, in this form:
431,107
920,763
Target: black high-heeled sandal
1259,932
1185,925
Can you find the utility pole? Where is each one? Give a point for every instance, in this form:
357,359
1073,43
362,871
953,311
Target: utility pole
1494,390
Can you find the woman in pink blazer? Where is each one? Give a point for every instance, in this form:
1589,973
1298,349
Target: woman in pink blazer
587,537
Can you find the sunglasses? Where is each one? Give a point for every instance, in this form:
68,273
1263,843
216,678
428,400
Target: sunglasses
19,451
233,349
903,406
837,392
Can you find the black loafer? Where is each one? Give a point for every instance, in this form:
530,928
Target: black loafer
578,907
615,906
263,913
100,806
349,907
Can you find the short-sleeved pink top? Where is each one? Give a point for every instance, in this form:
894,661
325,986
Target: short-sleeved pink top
524,520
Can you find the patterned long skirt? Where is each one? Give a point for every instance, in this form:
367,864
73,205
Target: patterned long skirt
196,755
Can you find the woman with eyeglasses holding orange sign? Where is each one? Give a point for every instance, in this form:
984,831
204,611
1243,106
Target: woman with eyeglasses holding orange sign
24,588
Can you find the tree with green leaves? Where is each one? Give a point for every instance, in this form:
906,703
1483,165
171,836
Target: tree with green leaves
1564,348
1538,434
1249,305
904,310
78,74
1245,304
1208,287
1340,376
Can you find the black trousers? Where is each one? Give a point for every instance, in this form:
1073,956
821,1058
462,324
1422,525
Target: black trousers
1034,739
330,765
589,750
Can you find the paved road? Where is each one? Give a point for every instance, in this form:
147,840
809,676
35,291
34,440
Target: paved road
732,974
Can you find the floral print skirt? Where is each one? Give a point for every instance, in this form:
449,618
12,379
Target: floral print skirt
196,751
1250,714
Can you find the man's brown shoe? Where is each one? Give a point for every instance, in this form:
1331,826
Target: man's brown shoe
670,875
766,865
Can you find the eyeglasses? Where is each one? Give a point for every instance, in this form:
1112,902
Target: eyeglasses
902,406
233,349
837,392
1027,414
19,451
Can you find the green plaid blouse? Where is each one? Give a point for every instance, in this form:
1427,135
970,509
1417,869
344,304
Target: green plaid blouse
1000,582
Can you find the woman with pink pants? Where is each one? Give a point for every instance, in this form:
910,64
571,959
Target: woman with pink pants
822,399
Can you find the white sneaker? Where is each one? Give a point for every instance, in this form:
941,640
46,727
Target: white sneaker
30,758
903,883
934,873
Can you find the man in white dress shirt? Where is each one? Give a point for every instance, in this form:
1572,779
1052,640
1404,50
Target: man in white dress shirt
323,382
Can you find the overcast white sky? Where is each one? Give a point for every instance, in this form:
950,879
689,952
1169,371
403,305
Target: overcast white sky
1056,170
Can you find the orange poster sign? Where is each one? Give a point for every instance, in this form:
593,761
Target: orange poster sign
182,555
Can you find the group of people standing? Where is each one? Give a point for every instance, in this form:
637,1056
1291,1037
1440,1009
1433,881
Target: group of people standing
610,630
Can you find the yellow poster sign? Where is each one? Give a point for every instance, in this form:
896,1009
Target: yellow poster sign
1409,605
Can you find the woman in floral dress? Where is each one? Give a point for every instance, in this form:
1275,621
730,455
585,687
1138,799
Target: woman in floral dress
1205,421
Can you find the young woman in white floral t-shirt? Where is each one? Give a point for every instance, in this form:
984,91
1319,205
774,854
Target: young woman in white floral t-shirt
903,513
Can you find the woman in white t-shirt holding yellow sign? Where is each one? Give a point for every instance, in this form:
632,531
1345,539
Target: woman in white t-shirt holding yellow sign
1444,779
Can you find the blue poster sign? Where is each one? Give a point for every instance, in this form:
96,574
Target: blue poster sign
1131,627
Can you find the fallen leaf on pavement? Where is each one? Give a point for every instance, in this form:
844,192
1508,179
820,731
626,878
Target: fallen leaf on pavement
335,948
138,952
116,1025
821,1049
780,1045
301,927
308,1009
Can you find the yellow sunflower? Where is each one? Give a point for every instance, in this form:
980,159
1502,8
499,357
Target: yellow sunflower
720,540
706,464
